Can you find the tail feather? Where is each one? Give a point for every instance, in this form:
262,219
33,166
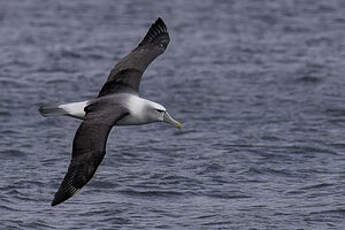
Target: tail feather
74,109
51,110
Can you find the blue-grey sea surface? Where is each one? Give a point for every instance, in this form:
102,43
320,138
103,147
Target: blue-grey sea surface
258,85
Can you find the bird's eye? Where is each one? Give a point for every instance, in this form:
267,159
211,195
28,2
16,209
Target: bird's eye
159,110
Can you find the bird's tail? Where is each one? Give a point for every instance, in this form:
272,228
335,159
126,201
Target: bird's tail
75,109
52,110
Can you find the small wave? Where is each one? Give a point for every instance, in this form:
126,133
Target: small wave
8,153
39,225
218,223
8,208
317,186
4,114
206,216
150,193
307,188
69,54
8,131
227,195
340,211
14,83
113,220
318,41
335,112
102,184
309,80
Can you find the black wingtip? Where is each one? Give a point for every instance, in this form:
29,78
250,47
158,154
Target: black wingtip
160,21
58,199
65,191
54,203
61,196
158,30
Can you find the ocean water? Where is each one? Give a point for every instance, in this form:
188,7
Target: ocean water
258,85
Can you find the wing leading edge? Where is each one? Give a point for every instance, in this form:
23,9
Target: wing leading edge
126,74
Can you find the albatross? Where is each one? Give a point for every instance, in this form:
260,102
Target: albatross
118,103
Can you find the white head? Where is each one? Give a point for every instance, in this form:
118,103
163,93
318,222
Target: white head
158,113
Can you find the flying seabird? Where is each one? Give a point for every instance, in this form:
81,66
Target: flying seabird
118,103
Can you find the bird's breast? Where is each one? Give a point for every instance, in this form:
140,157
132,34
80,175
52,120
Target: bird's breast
136,116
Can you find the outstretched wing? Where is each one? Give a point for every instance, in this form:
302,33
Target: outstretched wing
126,74
89,147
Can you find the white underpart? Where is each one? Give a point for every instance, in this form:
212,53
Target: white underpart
136,106
75,109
